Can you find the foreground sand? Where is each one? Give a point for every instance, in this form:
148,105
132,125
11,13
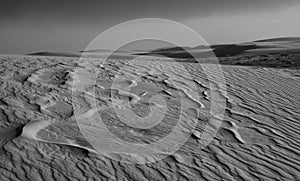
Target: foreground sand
40,138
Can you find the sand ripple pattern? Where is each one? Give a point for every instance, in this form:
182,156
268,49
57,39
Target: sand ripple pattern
258,139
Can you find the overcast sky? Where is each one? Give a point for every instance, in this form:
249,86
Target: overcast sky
70,25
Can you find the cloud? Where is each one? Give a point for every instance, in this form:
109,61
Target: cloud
75,11
34,25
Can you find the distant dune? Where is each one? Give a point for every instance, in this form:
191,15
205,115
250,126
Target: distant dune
292,39
56,54
276,52
276,45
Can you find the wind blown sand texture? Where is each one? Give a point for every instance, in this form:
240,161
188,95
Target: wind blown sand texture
40,138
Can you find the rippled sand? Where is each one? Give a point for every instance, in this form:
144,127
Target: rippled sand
40,139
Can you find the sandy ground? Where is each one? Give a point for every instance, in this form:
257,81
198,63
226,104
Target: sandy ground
40,138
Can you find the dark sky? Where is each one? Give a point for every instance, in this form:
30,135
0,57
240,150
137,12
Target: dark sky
69,25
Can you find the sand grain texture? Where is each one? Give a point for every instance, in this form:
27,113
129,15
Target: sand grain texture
40,138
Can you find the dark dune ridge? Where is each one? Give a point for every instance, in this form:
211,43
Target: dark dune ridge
222,50
277,52
56,54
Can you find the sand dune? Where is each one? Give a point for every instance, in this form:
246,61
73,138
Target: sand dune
50,128
266,49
